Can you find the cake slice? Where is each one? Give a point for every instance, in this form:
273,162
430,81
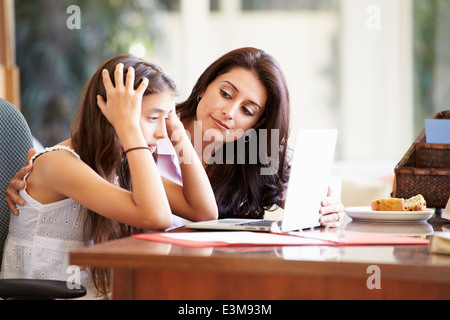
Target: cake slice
416,203
391,204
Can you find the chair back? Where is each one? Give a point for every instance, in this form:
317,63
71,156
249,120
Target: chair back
15,141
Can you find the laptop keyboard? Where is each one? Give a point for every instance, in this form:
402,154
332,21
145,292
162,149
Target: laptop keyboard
260,223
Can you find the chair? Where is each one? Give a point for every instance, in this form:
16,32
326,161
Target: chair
15,141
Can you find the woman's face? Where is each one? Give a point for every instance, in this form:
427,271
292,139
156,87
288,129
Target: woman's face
232,104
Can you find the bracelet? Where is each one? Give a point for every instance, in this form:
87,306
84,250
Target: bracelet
138,148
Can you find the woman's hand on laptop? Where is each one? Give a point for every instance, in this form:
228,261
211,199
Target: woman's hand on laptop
332,209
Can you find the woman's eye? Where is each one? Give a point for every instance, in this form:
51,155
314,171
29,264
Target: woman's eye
225,94
247,111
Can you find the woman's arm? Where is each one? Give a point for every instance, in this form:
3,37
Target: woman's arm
195,200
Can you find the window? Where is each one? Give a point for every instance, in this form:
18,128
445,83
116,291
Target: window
55,62
258,5
431,59
170,5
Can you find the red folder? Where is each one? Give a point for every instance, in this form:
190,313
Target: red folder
244,238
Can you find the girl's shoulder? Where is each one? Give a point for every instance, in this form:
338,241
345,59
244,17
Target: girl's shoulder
52,167
51,150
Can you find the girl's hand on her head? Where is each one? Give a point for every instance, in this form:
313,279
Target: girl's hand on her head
124,103
173,124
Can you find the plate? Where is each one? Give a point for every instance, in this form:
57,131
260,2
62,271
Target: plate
366,213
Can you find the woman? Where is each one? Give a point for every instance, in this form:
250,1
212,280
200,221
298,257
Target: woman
240,97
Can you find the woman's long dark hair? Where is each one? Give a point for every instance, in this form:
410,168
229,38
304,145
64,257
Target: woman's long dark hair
96,142
241,189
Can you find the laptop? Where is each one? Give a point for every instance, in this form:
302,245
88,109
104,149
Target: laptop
308,186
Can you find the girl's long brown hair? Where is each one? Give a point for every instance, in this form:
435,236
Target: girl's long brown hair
97,144
241,189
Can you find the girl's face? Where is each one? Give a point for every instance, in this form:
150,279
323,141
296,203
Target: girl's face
232,104
156,108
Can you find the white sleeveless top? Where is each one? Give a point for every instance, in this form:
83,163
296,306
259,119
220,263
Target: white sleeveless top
41,237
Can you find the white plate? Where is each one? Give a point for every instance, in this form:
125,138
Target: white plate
366,213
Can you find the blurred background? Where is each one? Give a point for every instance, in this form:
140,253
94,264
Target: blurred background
374,69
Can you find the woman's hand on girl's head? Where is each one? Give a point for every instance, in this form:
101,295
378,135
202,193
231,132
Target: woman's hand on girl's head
123,105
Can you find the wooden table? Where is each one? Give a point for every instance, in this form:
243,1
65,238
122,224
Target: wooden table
150,270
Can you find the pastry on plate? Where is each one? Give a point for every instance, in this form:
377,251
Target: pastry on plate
416,203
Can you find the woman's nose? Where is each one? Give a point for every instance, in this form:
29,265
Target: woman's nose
229,110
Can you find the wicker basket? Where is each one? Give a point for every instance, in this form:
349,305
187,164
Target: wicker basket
425,169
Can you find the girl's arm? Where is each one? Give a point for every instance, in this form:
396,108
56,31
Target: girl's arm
147,205
123,110
195,200
61,173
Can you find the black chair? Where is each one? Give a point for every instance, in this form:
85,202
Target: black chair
15,141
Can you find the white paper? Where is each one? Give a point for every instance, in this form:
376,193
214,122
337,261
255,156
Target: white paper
440,243
446,213
241,237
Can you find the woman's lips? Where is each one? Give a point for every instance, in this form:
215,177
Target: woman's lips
220,124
